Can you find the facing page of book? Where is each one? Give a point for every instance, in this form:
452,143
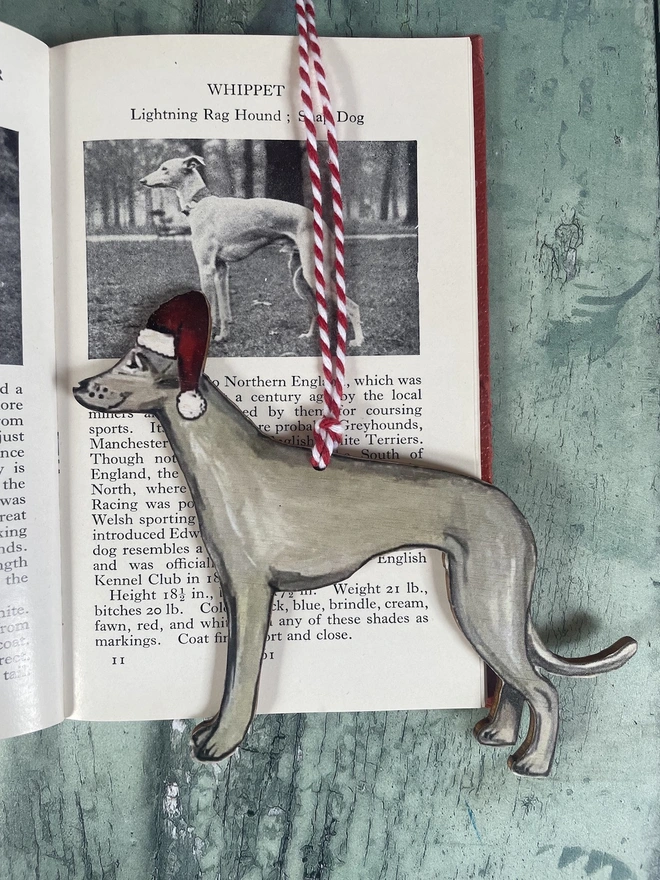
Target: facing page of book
147,627
30,610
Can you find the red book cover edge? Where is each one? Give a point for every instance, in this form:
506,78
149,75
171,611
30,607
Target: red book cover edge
481,183
481,203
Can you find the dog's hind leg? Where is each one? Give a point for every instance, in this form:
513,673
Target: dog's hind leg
306,293
490,591
534,757
502,725
303,239
304,279
353,312
248,614
305,242
295,268
302,289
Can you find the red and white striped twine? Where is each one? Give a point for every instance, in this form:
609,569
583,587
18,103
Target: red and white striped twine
328,430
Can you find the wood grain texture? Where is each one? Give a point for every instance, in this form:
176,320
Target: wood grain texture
573,197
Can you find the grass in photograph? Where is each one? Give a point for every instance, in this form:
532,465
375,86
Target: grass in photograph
127,280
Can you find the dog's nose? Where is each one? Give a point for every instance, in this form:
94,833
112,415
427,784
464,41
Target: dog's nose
143,180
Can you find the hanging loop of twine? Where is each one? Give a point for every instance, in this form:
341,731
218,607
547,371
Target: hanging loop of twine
328,430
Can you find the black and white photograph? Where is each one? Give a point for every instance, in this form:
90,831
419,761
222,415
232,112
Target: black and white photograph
232,218
11,325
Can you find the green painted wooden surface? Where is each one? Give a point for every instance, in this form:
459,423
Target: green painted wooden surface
571,90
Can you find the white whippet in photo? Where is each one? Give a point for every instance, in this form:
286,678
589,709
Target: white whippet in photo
225,230
271,523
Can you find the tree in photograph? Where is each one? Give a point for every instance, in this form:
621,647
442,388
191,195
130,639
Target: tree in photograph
387,194
96,191
283,171
411,179
248,169
193,146
222,171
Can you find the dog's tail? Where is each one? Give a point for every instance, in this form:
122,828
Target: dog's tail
605,661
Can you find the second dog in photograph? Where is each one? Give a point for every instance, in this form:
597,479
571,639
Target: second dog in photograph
225,230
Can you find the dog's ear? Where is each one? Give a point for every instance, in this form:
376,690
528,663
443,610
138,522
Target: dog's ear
192,163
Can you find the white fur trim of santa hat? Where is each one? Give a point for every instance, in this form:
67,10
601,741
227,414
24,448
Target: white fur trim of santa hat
154,340
191,404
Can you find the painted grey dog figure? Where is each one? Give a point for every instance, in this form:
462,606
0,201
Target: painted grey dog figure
271,523
225,230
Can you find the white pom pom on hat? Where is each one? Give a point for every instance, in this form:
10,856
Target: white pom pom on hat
191,404
181,328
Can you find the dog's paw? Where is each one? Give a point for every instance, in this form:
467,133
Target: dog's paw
529,765
213,740
489,734
203,746
212,751
208,745
202,732
355,343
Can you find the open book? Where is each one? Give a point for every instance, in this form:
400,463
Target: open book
110,607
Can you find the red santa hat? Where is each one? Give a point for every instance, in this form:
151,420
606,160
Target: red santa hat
181,328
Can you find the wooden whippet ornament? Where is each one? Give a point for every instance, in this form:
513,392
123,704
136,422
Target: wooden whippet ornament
271,523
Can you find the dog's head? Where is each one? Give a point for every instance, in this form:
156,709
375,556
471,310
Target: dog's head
142,381
164,368
173,172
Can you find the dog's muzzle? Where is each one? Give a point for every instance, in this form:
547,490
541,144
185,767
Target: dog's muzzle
97,395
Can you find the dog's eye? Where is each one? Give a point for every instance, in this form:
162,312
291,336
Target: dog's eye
136,362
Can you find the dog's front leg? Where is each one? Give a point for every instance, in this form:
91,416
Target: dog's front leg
221,281
207,281
248,612
214,278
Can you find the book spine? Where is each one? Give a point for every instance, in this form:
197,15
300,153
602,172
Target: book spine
481,197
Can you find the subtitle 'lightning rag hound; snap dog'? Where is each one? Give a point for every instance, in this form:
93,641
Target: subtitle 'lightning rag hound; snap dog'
225,230
271,523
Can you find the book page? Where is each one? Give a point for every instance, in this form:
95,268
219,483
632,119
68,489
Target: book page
148,625
30,612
